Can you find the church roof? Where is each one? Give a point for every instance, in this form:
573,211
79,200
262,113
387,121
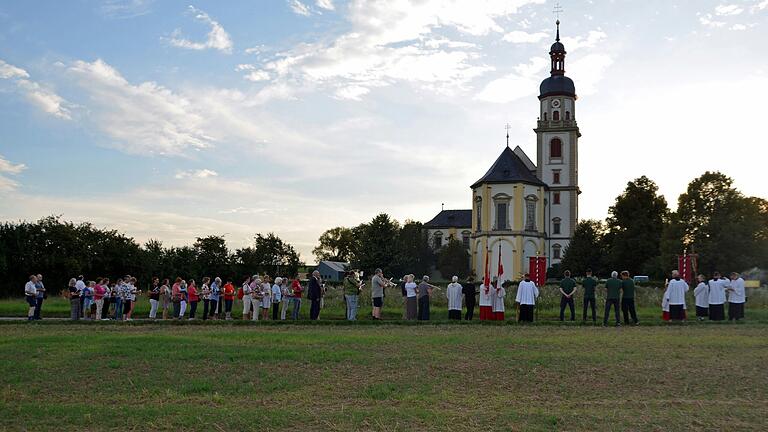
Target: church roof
451,219
509,168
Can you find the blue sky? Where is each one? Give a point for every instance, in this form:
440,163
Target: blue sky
172,120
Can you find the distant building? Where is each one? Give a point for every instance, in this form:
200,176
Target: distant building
518,207
332,271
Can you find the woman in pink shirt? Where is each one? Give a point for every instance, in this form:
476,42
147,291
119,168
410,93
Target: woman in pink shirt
193,298
98,296
176,297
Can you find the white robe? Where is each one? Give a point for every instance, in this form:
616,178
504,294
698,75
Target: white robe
701,293
498,299
485,299
717,291
527,293
676,291
665,302
737,294
453,293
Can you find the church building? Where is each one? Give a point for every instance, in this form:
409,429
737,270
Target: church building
522,208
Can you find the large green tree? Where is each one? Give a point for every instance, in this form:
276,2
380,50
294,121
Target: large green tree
453,260
586,249
635,224
727,230
212,255
413,253
377,244
336,244
269,253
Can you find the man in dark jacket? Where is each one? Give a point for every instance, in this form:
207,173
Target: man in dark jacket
315,294
470,292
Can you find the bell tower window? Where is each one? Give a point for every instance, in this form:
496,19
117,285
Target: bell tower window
555,148
555,115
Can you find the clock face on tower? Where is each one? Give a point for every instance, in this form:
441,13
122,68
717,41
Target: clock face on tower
556,103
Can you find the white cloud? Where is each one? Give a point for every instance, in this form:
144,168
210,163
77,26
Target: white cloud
42,97
738,27
325,4
588,71
523,83
352,92
217,37
728,10
708,21
299,8
393,41
200,174
6,167
518,36
258,75
760,6
125,8
143,118
8,71
593,38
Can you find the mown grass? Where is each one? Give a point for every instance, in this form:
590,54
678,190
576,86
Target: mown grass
384,377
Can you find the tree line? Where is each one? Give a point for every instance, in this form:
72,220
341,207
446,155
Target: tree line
61,250
726,229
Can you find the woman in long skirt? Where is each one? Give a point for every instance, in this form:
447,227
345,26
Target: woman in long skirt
74,300
410,298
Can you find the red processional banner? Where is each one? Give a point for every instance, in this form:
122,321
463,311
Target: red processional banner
538,270
686,265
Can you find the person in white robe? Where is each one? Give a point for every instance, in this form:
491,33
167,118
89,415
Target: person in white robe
665,306
527,293
701,294
676,289
737,296
716,298
486,301
499,294
454,295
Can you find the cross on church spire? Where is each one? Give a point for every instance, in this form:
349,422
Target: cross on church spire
507,127
557,11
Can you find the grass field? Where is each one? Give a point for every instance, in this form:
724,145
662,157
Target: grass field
225,377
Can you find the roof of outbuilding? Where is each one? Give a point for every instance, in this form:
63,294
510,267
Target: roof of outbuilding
335,265
509,168
451,219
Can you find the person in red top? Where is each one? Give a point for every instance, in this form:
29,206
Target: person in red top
296,291
229,299
193,298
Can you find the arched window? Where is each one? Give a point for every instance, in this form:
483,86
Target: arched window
437,240
556,225
555,148
555,115
557,251
530,213
567,115
545,116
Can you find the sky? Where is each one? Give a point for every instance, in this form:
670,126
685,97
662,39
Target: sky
175,119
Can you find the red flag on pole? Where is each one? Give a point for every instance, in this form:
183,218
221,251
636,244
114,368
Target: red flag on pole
487,279
500,271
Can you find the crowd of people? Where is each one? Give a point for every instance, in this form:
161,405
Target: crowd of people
104,300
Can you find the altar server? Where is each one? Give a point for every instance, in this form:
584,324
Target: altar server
486,301
454,294
527,293
737,296
499,293
701,294
717,297
676,289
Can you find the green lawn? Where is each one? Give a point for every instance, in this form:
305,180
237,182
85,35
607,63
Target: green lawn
225,377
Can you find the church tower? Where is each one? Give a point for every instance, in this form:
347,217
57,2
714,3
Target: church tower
558,153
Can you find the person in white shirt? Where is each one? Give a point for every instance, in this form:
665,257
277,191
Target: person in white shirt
716,299
266,299
527,293
737,296
256,296
486,301
454,294
30,295
410,298
277,294
701,294
80,286
676,289
497,300
247,298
